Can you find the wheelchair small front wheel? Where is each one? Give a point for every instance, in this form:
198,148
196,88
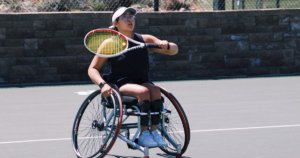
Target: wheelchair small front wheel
96,126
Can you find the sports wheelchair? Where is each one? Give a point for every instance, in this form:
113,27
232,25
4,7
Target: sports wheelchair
100,121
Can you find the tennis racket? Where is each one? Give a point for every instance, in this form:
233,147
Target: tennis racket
110,43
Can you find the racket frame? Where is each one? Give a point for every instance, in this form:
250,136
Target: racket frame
139,45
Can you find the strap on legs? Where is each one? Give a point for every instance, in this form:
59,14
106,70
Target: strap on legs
156,106
145,108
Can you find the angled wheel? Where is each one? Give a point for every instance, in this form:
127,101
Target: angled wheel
175,126
97,125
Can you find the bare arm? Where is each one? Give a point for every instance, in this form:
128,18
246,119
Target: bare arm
94,69
94,73
173,48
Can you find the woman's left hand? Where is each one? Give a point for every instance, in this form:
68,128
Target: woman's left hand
164,44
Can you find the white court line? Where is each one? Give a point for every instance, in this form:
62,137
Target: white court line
87,92
244,128
36,140
192,131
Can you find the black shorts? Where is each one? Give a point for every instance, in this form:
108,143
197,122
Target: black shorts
125,80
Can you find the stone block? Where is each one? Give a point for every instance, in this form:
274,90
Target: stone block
295,26
27,61
14,42
267,20
260,37
11,52
237,63
19,33
5,24
44,34
2,33
209,22
75,49
231,46
297,61
64,34
197,40
30,44
51,47
23,70
40,24
5,66
64,24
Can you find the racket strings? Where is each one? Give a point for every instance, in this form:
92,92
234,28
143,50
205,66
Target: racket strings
106,43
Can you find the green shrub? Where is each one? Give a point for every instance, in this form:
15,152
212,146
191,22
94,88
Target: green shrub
175,5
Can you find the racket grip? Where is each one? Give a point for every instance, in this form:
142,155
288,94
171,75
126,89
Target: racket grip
151,45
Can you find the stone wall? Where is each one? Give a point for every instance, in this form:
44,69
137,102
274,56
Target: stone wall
48,47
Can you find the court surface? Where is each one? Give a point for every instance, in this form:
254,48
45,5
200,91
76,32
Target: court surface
229,118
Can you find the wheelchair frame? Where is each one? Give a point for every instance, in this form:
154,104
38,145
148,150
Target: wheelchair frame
109,116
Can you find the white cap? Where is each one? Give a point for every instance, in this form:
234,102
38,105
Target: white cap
121,11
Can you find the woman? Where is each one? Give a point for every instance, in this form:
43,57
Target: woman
130,73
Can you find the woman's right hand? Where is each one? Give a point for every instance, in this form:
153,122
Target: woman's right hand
106,90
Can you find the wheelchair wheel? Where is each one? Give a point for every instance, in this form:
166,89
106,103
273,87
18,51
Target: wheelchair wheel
175,126
97,125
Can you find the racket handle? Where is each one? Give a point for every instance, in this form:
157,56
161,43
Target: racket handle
151,45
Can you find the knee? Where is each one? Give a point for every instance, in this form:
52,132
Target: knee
143,94
155,93
156,90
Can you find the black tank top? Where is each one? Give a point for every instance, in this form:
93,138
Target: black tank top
132,65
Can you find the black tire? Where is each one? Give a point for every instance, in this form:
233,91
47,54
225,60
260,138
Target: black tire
176,124
96,126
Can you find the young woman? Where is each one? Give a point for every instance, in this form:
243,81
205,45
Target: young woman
130,73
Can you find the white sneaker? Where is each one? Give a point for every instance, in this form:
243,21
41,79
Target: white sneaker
146,140
159,139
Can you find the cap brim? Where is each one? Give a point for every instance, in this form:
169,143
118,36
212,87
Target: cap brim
121,11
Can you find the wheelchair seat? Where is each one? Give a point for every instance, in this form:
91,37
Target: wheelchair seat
129,101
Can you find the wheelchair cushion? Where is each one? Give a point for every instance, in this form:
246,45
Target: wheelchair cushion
129,101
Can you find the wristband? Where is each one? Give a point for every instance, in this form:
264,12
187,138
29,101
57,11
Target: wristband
168,46
101,84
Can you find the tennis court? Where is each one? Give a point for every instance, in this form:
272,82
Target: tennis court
229,118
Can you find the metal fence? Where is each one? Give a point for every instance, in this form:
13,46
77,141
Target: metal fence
142,5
